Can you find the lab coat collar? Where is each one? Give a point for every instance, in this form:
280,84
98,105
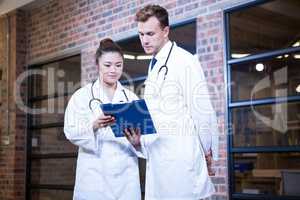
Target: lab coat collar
161,57
163,53
100,93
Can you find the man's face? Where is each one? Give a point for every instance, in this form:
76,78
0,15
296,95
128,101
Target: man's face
152,36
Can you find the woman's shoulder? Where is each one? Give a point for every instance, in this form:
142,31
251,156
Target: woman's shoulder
82,91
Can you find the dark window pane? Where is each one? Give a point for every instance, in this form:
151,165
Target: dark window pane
274,77
267,125
53,171
267,173
272,25
51,194
50,110
57,77
51,140
134,68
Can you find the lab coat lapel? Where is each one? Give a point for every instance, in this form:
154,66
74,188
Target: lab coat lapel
119,96
100,93
155,80
161,57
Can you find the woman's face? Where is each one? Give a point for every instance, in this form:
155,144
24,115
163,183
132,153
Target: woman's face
110,67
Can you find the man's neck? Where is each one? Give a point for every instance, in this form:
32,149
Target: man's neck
165,42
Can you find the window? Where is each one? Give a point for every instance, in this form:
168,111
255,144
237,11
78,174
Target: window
52,158
263,58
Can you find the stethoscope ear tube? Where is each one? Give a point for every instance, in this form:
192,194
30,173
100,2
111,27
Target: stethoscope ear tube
166,62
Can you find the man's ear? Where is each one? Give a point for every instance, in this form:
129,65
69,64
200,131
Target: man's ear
166,31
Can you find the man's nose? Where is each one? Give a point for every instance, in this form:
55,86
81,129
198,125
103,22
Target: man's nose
145,39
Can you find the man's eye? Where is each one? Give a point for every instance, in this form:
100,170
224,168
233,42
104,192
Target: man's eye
106,65
150,34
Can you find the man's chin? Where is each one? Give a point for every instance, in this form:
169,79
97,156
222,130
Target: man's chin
148,52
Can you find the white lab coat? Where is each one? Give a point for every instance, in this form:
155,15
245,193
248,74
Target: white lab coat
186,128
106,166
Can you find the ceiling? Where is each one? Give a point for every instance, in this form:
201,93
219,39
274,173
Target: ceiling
9,5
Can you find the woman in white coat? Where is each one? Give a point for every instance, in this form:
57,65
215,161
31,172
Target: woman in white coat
106,167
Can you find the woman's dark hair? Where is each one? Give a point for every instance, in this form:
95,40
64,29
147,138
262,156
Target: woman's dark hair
153,11
107,45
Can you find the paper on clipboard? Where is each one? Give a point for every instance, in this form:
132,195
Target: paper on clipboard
134,114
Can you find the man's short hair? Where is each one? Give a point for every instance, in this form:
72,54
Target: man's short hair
153,11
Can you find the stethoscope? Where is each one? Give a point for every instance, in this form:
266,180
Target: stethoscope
99,100
165,65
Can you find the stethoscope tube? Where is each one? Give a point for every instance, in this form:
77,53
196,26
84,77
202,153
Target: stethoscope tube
99,100
165,65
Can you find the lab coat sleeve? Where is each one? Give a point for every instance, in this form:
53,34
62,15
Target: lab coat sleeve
200,108
78,126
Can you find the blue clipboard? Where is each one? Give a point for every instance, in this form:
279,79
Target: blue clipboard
134,114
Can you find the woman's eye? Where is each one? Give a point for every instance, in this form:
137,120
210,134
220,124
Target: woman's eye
106,65
119,65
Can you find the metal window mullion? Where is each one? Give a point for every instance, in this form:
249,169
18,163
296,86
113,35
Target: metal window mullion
48,125
228,115
266,101
265,149
52,187
53,156
46,97
241,196
263,56
29,141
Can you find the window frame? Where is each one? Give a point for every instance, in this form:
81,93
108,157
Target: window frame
245,103
30,127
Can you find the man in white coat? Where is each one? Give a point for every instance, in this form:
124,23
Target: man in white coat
178,100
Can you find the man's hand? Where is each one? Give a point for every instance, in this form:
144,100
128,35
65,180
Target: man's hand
208,158
134,137
103,121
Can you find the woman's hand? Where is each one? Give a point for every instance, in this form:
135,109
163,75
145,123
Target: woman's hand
103,121
134,137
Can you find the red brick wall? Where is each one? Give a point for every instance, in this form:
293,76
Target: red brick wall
210,51
60,27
